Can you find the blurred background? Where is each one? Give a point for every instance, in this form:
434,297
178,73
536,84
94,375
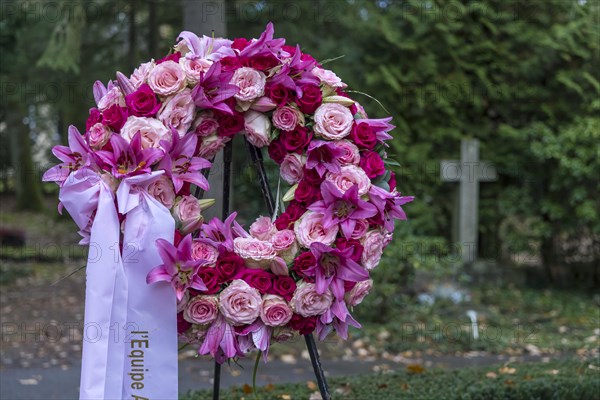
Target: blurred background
521,77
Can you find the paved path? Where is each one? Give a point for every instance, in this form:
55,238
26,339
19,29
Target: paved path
57,383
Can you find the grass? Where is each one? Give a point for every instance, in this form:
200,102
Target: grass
565,380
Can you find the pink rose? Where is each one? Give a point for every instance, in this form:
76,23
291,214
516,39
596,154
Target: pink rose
187,214
211,145
286,118
201,310
178,112
204,251
205,123
250,82
355,296
309,229
328,77
275,311
292,168
307,302
167,78
140,74
112,97
351,154
162,190
151,130
349,176
373,249
258,128
98,135
257,253
333,121
262,228
193,66
240,303
360,229
284,243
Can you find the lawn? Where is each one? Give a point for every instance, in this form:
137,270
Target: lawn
565,380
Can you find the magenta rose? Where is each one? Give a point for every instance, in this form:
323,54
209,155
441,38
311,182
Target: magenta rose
115,117
275,311
240,303
94,117
306,192
143,102
303,262
277,150
392,182
230,125
311,99
262,62
304,326
292,213
307,302
297,139
257,278
201,310
363,136
279,94
228,265
372,164
230,63
283,286
211,279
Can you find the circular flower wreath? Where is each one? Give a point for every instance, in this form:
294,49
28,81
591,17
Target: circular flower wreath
238,290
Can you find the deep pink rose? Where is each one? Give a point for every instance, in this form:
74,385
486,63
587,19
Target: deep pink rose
357,248
311,99
115,117
262,62
363,136
304,326
171,57
283,286
297,139
306,192
277,150
229,125
230,63
279,94
292,213
275,311
210,278
303,262
182,324
257,278
143,102
240,303
240,43
372,164
93,119
392,182
228,265
313,176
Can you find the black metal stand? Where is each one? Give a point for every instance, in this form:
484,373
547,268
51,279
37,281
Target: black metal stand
257,161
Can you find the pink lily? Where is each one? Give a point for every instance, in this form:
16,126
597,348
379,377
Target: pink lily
380,126
333,267
221,233
265,43
214,89
256,335
74,157
220,341
178,267
338,318
342,208
181,165
389,205
129,159
323,156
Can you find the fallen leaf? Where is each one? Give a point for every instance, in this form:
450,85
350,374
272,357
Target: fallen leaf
592,366
315,396
286,397
415,368
28,382
382,385
343,390
508,382
247,389
553,372
507,370
491,375
404,386
311,385
270,387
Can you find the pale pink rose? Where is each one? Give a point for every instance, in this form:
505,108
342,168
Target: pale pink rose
258,128
140,74
205,123
240,303
178,112
333,121
307,302
98,135
250,82
349,176
387,238
257,253
263,228
183,302
292,168
193,66
201,310
283,334
187,214
360,229
162,190
112,97
275,311
211,145
206,252
357,294
287,118
309,229
167,78
195,334
351,154
151,130
328,77
373,249
285,244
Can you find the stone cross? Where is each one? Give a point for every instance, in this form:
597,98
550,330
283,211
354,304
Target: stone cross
469,171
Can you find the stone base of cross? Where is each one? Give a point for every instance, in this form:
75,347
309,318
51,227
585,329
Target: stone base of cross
469,171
